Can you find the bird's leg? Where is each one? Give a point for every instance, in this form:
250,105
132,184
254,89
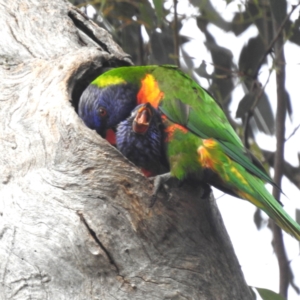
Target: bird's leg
159,180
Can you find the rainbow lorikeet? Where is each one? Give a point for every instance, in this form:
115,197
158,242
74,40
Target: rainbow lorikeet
140,139
200,141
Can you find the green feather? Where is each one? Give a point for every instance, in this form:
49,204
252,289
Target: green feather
230,166
235,152
226,174
188,104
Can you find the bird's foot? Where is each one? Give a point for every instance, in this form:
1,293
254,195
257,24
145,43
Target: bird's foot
159,180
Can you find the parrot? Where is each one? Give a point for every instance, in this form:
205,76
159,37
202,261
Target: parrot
98,111
200,143
140,139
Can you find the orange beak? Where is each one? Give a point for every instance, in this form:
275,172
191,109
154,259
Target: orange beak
142,120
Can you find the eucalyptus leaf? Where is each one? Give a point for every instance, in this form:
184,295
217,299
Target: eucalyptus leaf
293,31
259,14
159,9
258,220
209,12
266,294
130,35
147,15
245,105
162,46
222,83
264,116
298,215
187,59
278,8
240,22
251,55
288,103
262,112
201,70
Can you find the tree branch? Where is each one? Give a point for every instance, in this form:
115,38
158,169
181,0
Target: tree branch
293,133
272,43
176,34
278,244
250,113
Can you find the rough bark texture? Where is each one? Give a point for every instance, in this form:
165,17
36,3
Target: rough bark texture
74,215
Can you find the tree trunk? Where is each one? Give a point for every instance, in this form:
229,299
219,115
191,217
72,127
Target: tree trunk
75,221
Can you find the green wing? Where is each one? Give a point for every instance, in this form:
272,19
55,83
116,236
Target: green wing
204,112
186,103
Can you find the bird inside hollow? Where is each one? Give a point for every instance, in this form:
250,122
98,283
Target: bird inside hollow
200,143
140,139
98,109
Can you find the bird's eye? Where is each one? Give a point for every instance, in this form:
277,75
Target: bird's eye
102,112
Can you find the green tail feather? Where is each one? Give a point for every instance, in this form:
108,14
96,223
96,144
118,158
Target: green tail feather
281,218
256,193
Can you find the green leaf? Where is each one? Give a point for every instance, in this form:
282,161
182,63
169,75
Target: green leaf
245,105
251,55
159,9
130,36
278,8
240,22
201,70
293,32
298,215
162,46
288,103
208,11
147,15
268,294
187,59
222,83
263,115
258,219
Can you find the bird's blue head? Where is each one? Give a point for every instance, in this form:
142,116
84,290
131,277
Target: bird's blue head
140,138
104,108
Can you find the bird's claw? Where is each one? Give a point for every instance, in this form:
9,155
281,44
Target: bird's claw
159,180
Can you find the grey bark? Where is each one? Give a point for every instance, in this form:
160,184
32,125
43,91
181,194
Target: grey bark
75,221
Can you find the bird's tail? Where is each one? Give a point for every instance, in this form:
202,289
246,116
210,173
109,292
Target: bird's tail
274,210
